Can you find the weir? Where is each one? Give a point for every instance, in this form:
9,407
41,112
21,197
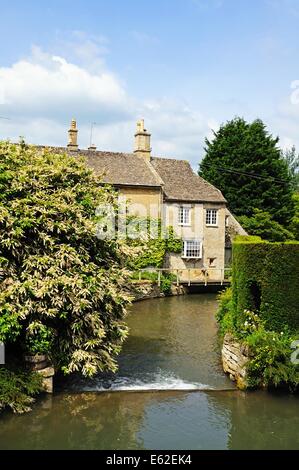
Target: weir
173,345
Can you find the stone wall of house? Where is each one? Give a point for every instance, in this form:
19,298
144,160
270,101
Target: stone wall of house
142,202
214,241
235,357
212,237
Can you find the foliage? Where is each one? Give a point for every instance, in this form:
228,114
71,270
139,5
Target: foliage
39,338
166,279
154,242
166,283
292,159
270,351
224,316
261,308
264,280
245,163
61,286
17,389
262,224
271,364
294,225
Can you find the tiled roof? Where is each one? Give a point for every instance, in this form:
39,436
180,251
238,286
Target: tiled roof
122,168
179,181
117,168
182,184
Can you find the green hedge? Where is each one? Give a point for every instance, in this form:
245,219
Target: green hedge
265,279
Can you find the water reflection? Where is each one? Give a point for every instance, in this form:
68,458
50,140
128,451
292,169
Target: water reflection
164,420
173,344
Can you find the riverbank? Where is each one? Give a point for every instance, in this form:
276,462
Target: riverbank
173,345
145,290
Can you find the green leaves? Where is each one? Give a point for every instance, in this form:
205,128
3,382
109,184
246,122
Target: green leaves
262,224
154,243
54,271
17,389
245,163
261,308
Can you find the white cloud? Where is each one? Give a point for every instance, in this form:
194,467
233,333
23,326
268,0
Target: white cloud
42,92
49,86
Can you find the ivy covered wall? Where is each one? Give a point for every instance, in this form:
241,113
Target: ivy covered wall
155,242
265,279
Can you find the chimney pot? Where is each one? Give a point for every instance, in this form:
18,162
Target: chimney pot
73,137
142,141
92,147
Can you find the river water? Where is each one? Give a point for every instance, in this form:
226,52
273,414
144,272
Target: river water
170,393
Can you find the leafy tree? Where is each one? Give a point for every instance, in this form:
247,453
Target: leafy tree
245,163
292,159
61,287
294,226
262,224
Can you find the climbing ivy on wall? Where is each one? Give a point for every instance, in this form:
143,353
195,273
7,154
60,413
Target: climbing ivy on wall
265,279
155,242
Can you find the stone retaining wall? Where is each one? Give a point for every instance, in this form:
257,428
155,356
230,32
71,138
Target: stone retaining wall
143,290
234,359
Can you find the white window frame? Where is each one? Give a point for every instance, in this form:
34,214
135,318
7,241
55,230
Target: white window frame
211,220
184,217
197,247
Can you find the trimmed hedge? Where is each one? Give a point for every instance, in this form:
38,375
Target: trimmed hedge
265,279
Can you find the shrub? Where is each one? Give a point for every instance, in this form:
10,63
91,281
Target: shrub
263,225
265,276
270,351
62,288
224,314
271,362
17,389
166,279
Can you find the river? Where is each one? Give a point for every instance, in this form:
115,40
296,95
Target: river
170,393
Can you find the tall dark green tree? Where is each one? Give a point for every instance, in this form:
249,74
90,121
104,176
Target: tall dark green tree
292,159
245,163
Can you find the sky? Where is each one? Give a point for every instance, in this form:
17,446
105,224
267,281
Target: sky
185,66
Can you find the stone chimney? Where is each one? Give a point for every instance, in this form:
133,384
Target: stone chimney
142,141
92,148
73,137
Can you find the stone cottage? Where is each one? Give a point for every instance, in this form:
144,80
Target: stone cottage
170,190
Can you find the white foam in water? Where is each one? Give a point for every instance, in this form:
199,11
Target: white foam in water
158,382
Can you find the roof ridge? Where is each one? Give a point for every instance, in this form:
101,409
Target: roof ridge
171,159
154,172
181,182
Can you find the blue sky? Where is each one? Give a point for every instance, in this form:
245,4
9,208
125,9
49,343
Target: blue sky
183,65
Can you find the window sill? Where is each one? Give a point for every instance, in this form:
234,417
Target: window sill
184,225
191,257
212,225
